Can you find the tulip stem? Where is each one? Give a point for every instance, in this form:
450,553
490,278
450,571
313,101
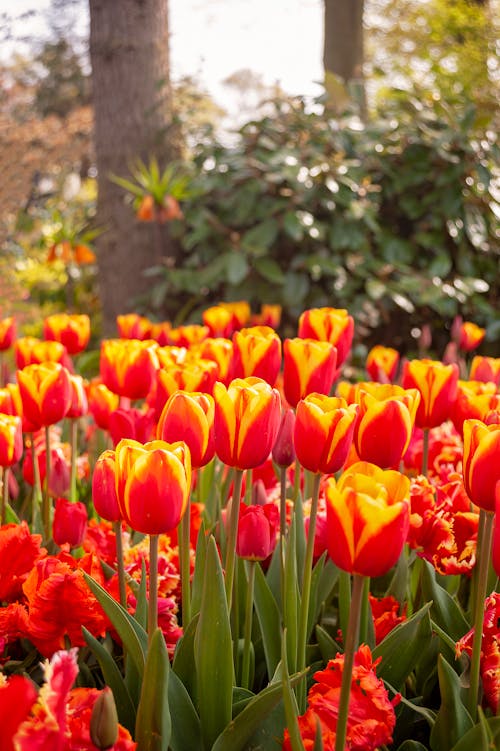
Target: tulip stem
5,493
282,529
74,453
247,634
122,588
485,536
185,562
248,487
306,594
425,452
233,530
153,587
46,495
351,643
37,486
296,481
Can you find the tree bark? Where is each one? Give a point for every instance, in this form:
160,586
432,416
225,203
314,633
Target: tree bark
129,52
343,49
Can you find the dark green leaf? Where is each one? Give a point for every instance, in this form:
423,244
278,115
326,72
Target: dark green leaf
403,646
186,731
154,725
453,719
269,621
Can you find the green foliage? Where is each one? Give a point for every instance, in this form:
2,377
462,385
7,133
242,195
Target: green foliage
393,220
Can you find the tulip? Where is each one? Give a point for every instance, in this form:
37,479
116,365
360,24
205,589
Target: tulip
240,311
104,720
102,402
309,367
470,336
59,469
270,315
220,321
11,440
105,500
45,391
385,425
10,400
187,336
283,450
7,333
79,403
133,326
32,351
131,423
256,352
485,369
328,325
247,418
257,530
481,462
73,331
475,400
437,384
128,367
221,352
382,363
189,417
70,523
199,375
160,332
368,517
323,434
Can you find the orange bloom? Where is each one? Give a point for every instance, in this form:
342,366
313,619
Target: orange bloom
45,391
102,402
187,336
270,315
367,519
485,369
475,399
385,612
256,352
240,311
73,331
133,326
32,351
79,404
221,352
221,322
153,482
160,332
18,552
371,718
309,368
332,325
470,336
104,495
7,333
437,384
11,440
247,418
10,400
323,432
382,363
481,463
385,424
189,417
128,367
66,252
191,375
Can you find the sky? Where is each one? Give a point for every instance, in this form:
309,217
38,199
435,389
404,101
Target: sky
210,39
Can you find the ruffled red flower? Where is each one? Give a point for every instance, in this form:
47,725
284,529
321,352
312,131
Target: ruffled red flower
19,550
17,696
385,612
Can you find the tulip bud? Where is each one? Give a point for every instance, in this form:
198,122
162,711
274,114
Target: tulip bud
104,720
70,523
283,450
257,530
104,487
259,494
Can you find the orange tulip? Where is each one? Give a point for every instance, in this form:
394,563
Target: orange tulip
332,325
11,440
133,326
270,315
309,368
470,336
256,352
240,311
247,418
199,375
368,517
79,404
485,369
481,462
128,367
189,417
385,424
153,482
10,400
220,321
45,391
220,351
475,399
160,332
186,336
437,384
73,331
104,495
102,402
7,333
382,363
32,351
324,428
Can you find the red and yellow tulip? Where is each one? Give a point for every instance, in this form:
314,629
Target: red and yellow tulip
11,440
45,391
187,336
32,351
475,400
256,352
7,332
128,367
309,367
470,336
437,384
323,433
247,419
79,403
481,462
104,495
191,375
485,369
221,352
220,321
382,363
102,402
368,516
72,331
332,325
189,417
134,326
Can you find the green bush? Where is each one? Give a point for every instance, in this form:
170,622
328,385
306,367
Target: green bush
393,220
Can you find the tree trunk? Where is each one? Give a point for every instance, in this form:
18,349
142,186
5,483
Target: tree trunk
129,54
343,52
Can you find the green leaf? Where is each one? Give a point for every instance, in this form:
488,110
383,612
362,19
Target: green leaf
114,679
474,740
269,269
453,719
328,646
291,601
141,610
132,634
199,571
236,267
444,610
296,287
186,731
375,289
293,226
154,725
412,746
258,240
184,664
403,646
213,653
269,621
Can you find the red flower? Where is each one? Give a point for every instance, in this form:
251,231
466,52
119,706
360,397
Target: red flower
102,402
45,391
485,369
257,530
128,367
332,325
385,612
18,552
256,352
309,367
70,523
189,417
7,333
73,331
17,696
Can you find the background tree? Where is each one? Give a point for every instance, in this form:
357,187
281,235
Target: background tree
131,90
343,52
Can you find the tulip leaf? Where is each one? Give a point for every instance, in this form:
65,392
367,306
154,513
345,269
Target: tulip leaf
132,634
273,576
154,724
114,679
186,731
444,610
213,653
403,646
453,720
291,602
199,571
318,738
183,664
300,539
475,738
141,608
269,621
412,746
328,646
